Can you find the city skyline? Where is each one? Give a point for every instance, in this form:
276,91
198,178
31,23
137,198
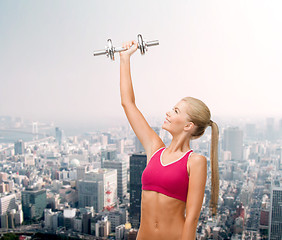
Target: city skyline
20,128
224,53
89,185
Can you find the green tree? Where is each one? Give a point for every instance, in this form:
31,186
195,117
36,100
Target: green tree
10,236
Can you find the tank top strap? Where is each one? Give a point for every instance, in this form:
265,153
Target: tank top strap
188,154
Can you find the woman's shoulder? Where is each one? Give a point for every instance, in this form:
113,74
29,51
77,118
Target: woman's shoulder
197,162
197,156
196,159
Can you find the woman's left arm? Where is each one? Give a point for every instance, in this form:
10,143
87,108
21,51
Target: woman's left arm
196,189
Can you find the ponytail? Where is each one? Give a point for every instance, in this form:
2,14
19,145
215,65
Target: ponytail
214,168
200,115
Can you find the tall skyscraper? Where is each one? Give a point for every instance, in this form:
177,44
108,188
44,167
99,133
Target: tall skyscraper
120,166
270,132
19,147
59,135
81,170
86,222
279,159
280,129
35,130
233,142
98,189
109,179
91,194
137,165
275,215
69,216
33,201
251,132
7,203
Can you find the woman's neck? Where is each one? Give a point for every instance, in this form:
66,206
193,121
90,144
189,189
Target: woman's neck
179,144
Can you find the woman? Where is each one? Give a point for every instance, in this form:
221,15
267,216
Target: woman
172,187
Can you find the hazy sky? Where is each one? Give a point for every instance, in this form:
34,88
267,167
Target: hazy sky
227,53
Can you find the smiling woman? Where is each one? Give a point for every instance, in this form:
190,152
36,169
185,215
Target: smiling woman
173,182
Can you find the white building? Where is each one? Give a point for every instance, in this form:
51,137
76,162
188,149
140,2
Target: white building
120,166
103,227
109,179
50,219
69,216
98,189
7,203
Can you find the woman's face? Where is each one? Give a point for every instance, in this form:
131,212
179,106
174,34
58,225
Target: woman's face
177,118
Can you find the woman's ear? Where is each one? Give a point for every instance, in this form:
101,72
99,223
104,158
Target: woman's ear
189,127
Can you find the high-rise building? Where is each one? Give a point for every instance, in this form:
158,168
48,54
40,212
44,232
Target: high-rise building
59,135
19,147
4,221
270,131
280,129
275,214
91,194
7,203
35,130
120,166
233,142
263,223
98,189
137,165
81,172
117,217
102,227
69,216
109,179
120,146
48,214
279,159
86,222
34,202
251,132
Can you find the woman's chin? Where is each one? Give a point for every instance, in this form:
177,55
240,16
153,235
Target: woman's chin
164,127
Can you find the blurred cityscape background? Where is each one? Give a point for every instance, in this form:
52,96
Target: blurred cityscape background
88,185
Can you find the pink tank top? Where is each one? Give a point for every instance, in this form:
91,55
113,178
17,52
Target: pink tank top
171,179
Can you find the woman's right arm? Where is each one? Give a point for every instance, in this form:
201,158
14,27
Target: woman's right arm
147,136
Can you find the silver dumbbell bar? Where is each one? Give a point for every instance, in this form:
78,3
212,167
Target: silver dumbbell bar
110,50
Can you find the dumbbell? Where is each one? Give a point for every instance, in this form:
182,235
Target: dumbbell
110,50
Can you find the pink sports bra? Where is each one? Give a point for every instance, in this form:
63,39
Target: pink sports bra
171,179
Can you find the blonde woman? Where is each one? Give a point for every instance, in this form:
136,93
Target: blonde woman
173,182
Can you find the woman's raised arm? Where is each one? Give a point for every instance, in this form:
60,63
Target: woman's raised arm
147,136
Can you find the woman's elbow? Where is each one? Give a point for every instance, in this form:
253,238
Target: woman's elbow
125,104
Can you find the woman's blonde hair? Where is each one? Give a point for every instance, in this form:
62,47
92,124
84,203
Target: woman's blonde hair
200,115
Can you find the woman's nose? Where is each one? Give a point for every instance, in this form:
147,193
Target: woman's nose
167,113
